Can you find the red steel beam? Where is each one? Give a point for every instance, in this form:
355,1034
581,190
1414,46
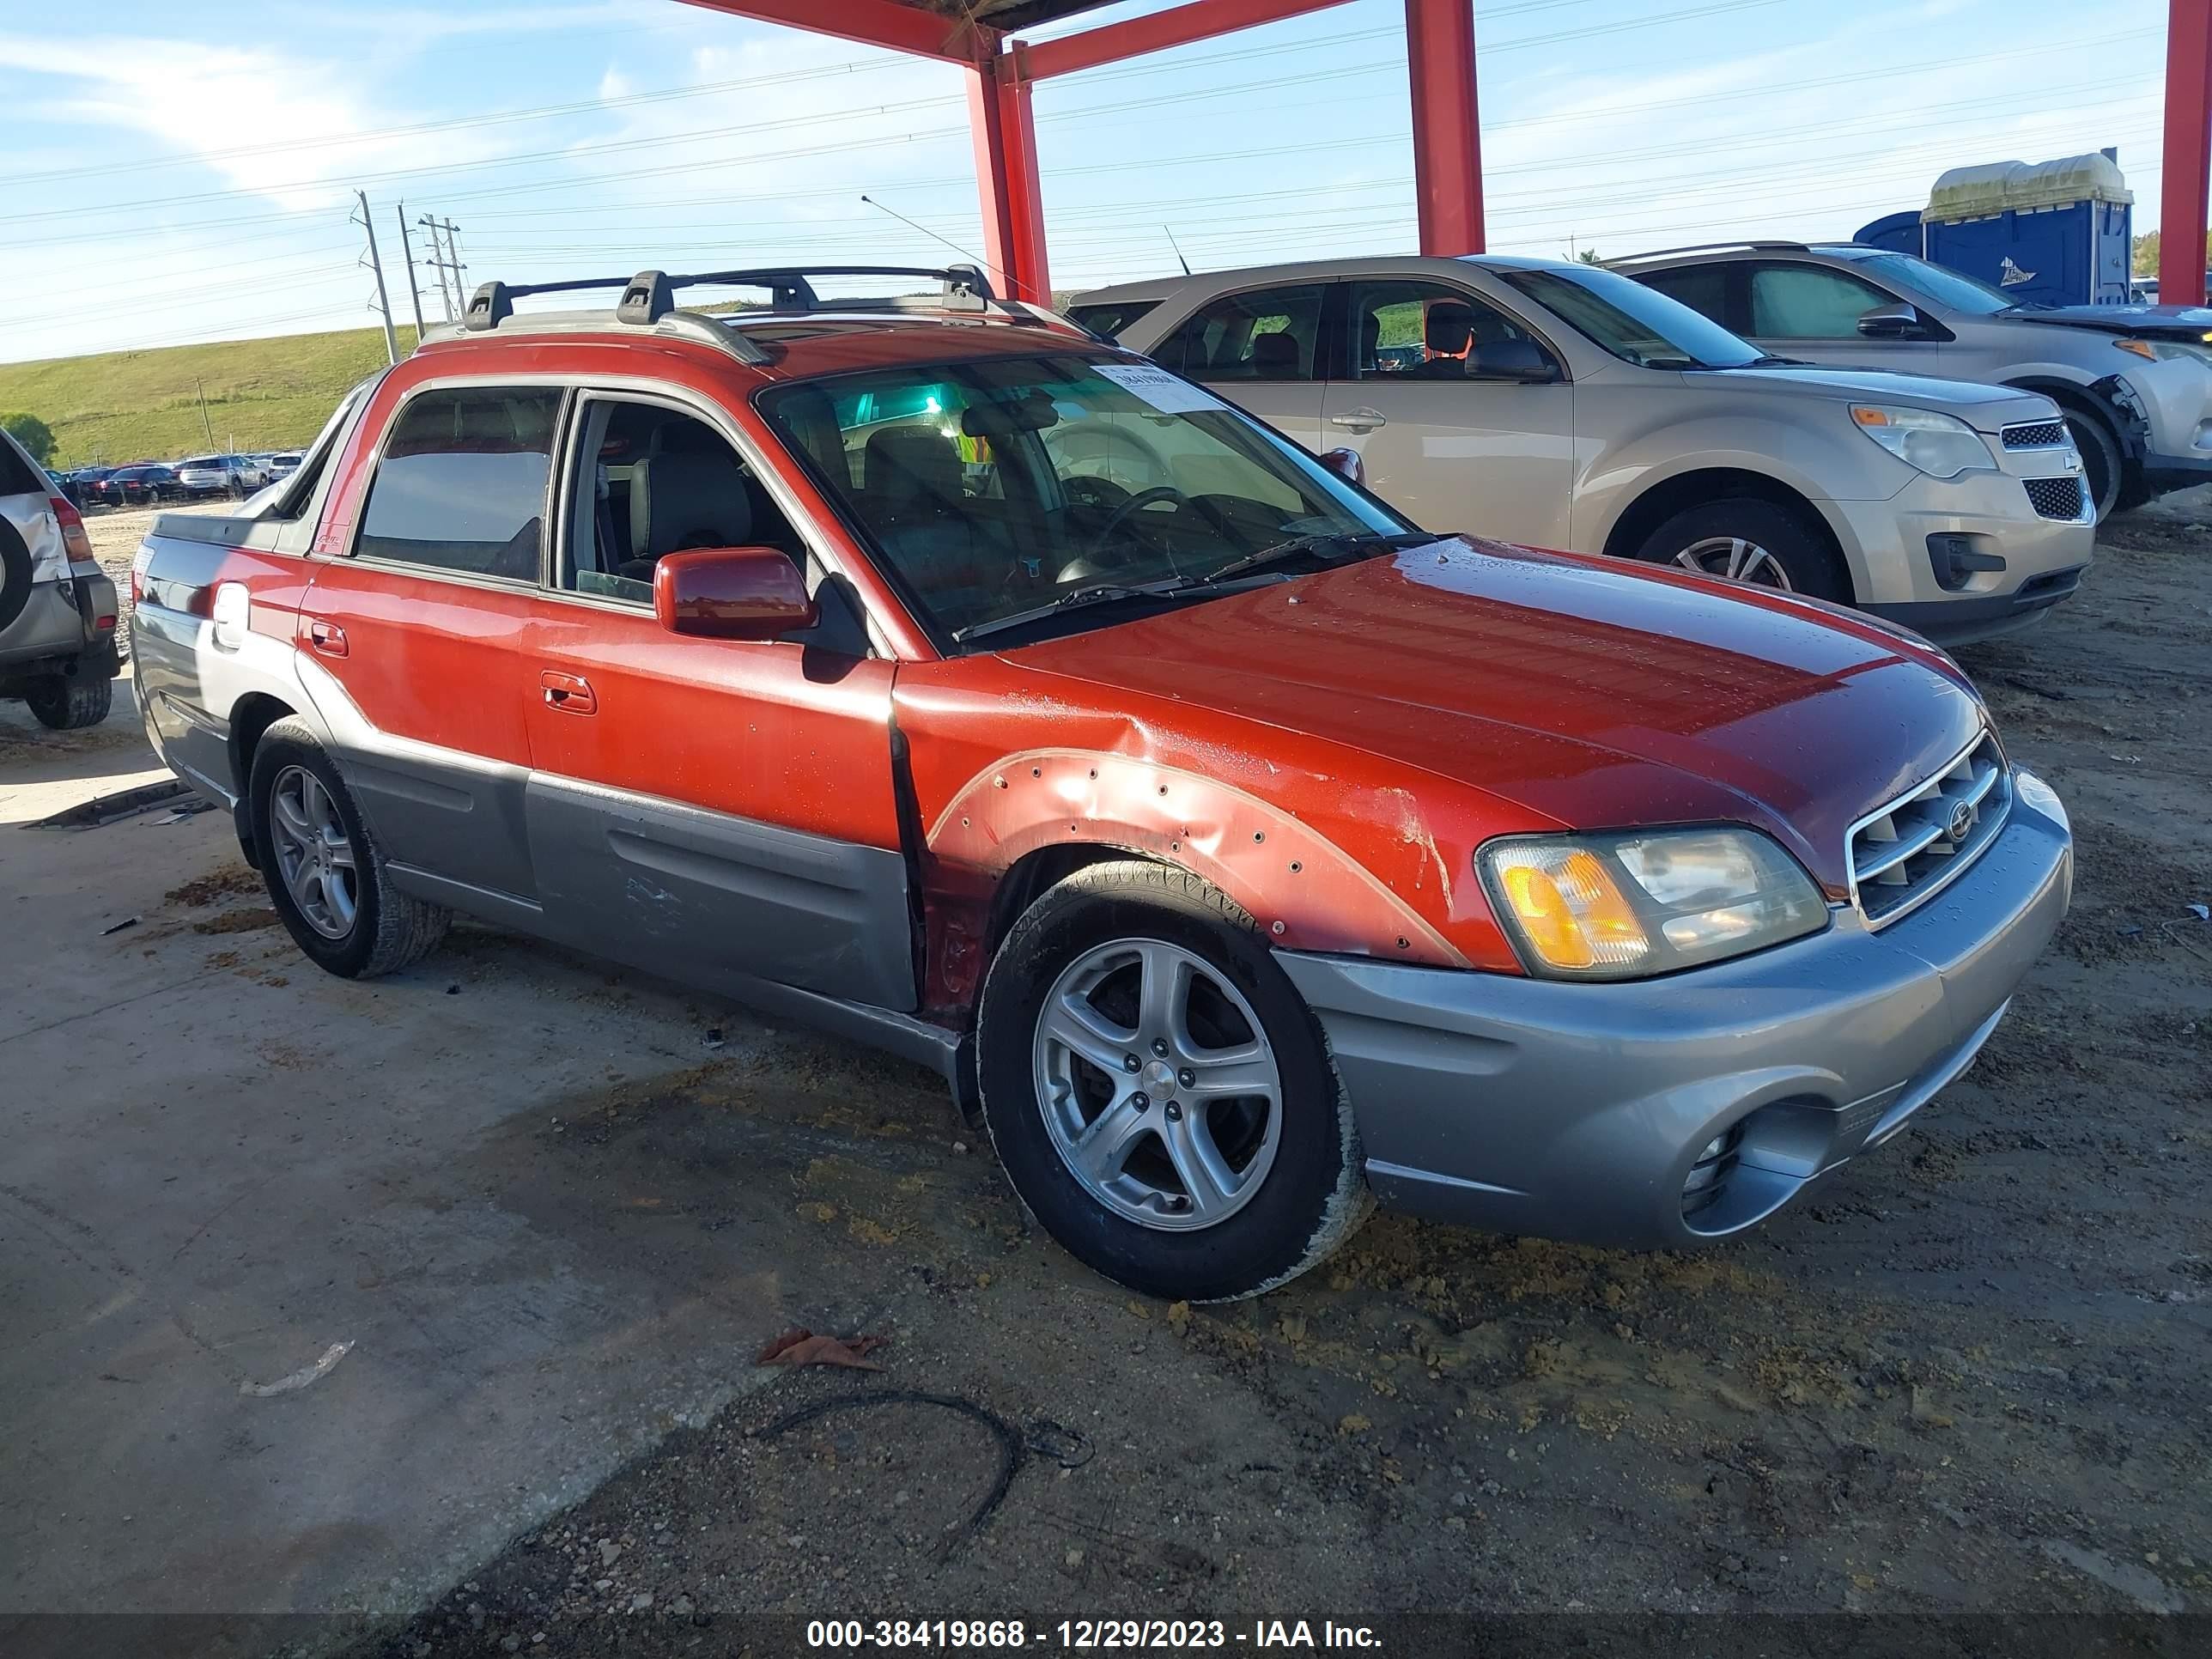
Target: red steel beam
1004,126
872,22
2187,178
1200,19
1447,135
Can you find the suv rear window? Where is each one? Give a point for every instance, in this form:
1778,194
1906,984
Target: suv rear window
461,483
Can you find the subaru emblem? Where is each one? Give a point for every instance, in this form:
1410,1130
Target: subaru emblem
1962,820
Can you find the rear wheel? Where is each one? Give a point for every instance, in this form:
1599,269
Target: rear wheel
326,873
67,702
1746,539
1159,1093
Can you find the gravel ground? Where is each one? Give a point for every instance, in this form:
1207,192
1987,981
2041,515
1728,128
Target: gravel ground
1969,1380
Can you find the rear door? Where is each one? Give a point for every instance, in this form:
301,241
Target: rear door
1454,447
414,642
705,808
1265,350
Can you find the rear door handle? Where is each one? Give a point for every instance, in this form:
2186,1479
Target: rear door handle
569,693
327,638
1359,420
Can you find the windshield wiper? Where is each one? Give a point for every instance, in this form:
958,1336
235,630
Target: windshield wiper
1074,598
1281,551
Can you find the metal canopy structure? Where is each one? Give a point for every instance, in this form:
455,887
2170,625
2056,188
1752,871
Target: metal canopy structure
978,35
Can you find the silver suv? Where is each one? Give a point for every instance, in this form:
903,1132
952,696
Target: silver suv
57,607
1564,406
2137,399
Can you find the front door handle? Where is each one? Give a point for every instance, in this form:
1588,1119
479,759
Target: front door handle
1359,420
569,693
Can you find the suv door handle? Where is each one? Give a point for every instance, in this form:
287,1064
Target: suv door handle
327,638
569,693
1359,420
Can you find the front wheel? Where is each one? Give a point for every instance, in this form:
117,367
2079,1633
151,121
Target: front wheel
1159,1094
2104,469
326,873
1746,539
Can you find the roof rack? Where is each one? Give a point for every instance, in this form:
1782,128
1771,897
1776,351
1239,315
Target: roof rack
1711,247
648,300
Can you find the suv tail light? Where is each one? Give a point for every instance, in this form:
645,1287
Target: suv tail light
75,542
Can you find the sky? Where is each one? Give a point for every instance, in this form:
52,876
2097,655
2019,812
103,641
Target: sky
167,184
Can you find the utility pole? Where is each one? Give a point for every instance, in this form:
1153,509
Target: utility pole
437,263
459,271
383,303
206,424
407,253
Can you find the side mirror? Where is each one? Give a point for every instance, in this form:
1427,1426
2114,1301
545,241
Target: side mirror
1897,322
1522,361
731,593
1346,463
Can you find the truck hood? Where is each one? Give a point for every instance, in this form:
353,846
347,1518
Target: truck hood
1983,407
2157,322
1585,693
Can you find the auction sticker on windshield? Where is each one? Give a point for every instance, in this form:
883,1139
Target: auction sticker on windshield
1157,388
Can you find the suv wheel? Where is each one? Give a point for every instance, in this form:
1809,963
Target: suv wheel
326,875
2104,470
67,702
1157,1091
1746,539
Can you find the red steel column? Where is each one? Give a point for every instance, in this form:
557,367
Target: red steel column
1005,130
2188,167
1447,137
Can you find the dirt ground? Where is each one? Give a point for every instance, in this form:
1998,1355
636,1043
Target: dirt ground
1970,1379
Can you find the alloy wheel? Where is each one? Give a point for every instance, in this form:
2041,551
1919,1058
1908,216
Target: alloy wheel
1158,1085
1735,559
315,855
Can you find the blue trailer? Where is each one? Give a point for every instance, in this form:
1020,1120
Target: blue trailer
2052,233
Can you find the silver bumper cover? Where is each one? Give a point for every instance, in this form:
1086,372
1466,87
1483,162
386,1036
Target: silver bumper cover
1578,1111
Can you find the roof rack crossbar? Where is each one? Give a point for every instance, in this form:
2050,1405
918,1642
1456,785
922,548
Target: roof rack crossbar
1709,247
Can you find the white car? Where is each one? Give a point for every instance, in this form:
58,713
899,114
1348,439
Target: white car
236,475
1563,405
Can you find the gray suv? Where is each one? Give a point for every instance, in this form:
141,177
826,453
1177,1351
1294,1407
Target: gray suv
57,607
2137,400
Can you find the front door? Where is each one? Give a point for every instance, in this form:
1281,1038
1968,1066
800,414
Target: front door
1444,438
412,639
704,808
1812,311
1262,350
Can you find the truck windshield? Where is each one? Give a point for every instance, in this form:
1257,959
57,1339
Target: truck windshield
1636,324
995,491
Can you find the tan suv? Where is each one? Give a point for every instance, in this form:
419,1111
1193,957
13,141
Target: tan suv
1565,406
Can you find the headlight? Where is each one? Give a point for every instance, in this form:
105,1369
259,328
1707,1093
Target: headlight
1942,446
2159,351
1629,906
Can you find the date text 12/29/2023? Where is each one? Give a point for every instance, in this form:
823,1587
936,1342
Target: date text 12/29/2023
1083,1635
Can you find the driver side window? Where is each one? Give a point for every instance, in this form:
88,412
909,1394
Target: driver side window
1269,334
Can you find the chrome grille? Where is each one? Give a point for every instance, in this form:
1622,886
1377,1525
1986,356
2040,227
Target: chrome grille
2055,498
2033,434
1904,854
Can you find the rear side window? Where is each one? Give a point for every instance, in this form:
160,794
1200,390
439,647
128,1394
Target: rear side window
17,475
1809,303
1702,287
1270,334
1110,319
461,483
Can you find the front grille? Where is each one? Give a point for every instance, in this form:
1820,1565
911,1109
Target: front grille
2055,498
1904,854
2033,434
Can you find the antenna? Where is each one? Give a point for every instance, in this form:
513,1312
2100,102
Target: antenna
934,237
1177,247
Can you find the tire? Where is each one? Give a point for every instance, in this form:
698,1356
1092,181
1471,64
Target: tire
14,573
386,929
1771,545
68,702
1306,1194
2104,470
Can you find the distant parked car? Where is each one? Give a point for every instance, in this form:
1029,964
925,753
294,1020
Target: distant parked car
237,476
283,465
143,486
2134,382
57,607
1560,405
81,487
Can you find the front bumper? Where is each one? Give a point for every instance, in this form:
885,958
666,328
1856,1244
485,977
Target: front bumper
1579,1111
1894,571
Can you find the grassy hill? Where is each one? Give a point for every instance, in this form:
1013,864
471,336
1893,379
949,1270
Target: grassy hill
133,405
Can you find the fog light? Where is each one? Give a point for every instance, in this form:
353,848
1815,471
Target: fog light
1955,559
1708,1176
